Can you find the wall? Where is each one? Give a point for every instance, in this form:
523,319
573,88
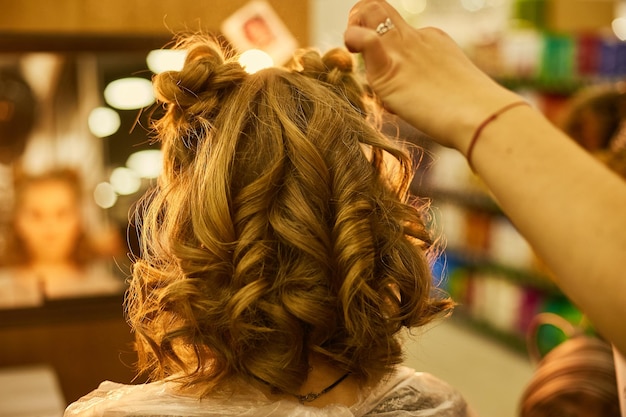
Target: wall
327,21
135,17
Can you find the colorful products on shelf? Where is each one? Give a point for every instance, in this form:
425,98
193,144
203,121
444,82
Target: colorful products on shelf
553,61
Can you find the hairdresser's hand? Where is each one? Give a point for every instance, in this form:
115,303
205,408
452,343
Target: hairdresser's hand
422,75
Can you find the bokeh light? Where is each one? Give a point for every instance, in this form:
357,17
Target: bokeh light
105,195
125,181
147,163
129,93
254,60
473,5
619,28
414,6
161,60
103,122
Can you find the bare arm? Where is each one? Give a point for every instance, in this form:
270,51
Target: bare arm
569,206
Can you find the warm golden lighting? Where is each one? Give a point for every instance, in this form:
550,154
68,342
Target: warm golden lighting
103,122
161,60
125,181
619,28
414,6
254,60
473,5
129,93
147,164
105,195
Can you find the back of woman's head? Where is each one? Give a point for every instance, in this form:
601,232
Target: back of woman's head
280,230
577,378
594,115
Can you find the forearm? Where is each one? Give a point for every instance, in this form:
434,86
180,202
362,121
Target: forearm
571,209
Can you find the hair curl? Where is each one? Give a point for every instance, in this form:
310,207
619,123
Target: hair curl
277,231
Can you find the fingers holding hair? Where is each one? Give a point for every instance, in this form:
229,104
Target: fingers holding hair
371,13
368,21
371,25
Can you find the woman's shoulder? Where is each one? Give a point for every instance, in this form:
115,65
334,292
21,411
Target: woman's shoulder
160,399
110,397
414,394
406,393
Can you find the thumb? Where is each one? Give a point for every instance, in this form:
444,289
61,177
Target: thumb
368,43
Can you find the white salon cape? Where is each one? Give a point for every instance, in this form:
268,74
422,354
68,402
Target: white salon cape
406,393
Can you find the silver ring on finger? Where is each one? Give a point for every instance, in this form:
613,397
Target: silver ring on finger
385,27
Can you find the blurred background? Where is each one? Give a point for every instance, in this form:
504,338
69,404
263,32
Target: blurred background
76,156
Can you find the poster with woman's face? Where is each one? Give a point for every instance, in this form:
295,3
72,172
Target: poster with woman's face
257,26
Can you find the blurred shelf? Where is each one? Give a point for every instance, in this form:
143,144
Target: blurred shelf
515,342
466,198
555,86
63,311
480,262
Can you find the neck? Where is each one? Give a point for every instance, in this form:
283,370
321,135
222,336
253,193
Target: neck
321,376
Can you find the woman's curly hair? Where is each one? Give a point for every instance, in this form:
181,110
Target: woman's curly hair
280,229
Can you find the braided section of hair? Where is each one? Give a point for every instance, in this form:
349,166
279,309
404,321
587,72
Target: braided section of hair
285,236
335,68
193,97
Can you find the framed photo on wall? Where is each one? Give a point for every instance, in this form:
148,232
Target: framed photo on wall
257,26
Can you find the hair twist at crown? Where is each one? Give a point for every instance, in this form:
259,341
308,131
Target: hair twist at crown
194,95
206,78
336,69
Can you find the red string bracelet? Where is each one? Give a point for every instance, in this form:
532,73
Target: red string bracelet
488,120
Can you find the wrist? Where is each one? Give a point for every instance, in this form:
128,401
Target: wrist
470,124
485,123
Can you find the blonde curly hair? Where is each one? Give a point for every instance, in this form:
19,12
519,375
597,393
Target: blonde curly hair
275,234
